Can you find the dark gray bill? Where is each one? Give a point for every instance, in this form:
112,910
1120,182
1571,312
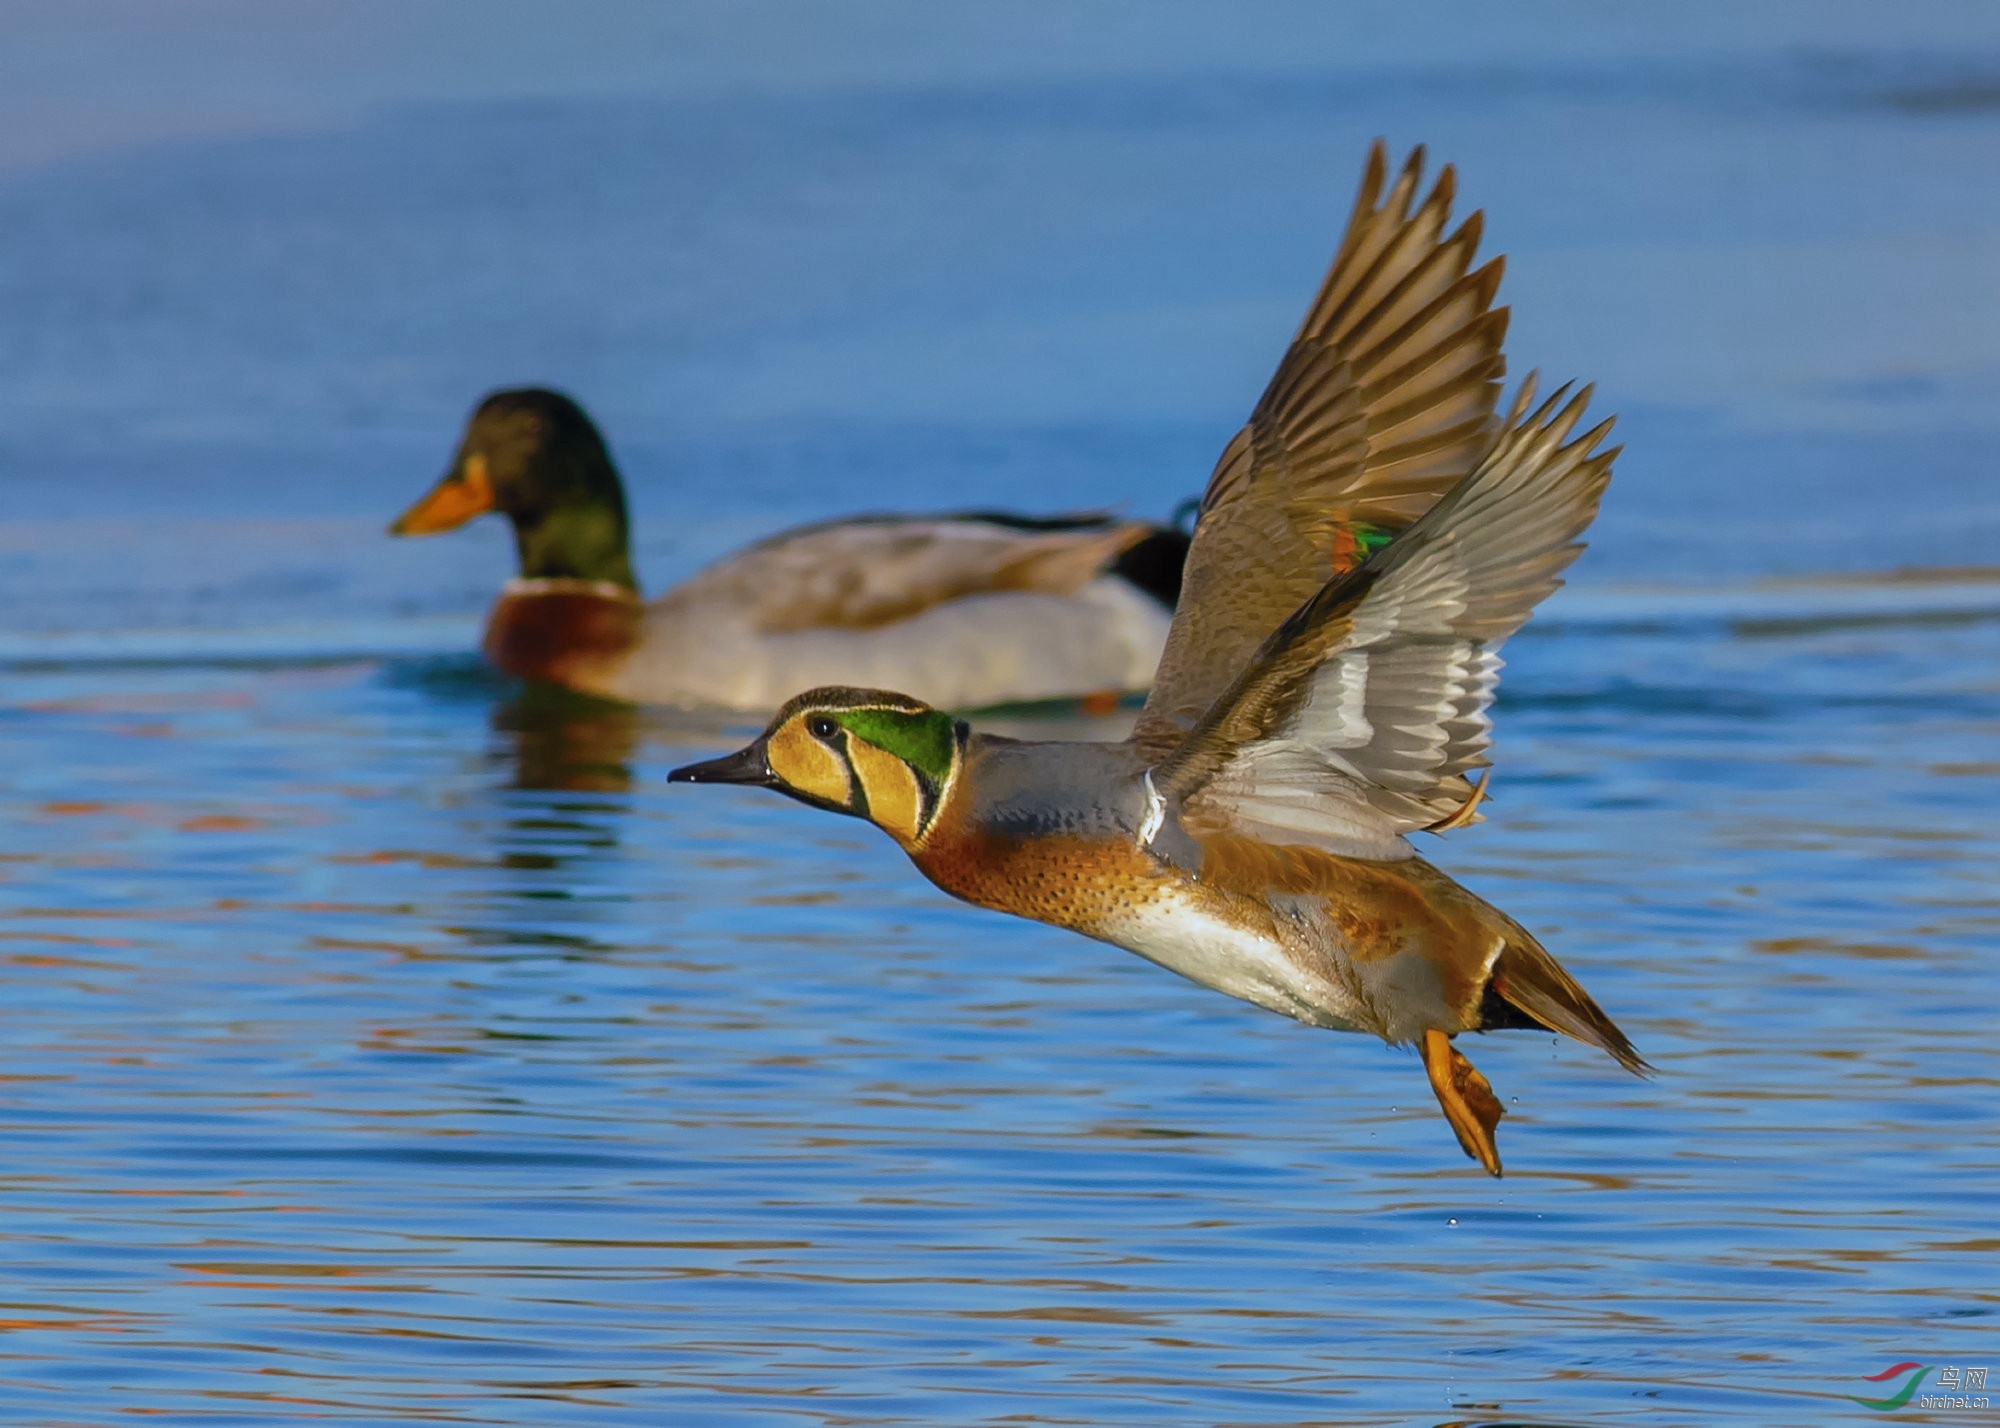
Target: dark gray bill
744,766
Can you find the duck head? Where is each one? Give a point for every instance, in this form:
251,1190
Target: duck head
885,757
534,456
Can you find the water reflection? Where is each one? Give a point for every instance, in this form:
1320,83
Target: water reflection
350,1063
561,740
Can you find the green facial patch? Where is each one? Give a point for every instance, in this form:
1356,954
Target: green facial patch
926,741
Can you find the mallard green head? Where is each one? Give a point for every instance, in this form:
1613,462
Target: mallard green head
884,757
534,456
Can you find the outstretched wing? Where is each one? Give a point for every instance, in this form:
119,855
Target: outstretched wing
1383,401
861,574
1362,712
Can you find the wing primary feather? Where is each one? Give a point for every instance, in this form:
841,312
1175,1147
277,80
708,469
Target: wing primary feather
1396,268
1369,234
1475,347
1445,311
1383,402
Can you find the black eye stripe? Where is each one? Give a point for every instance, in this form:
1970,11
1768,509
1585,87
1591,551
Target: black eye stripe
857,790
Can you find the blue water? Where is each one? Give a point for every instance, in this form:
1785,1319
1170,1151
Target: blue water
384,1043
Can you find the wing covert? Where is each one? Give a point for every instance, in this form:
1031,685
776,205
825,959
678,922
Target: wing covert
862,574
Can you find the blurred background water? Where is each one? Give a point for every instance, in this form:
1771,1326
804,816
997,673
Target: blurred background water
383,1043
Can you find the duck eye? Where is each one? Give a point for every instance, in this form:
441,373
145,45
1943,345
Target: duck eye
821,727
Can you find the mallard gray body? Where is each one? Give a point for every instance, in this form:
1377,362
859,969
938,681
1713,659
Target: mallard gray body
1310,714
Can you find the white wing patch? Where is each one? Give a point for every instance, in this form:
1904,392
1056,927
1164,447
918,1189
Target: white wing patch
1335,715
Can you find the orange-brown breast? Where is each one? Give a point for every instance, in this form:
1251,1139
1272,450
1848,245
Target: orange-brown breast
572,636
1086,885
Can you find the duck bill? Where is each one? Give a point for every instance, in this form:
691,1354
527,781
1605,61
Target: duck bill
465,493
746,766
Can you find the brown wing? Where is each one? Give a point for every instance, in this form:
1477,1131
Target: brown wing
861,574
1366,707
1384,400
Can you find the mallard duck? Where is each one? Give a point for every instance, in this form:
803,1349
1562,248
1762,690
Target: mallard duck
1253,832
973,609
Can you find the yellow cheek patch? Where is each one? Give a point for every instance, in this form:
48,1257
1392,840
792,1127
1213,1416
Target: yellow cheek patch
895,798
809,766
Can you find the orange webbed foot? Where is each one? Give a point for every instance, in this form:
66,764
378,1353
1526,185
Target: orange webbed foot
1468,1101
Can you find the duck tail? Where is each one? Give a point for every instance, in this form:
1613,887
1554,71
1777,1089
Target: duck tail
1533,983
1154,563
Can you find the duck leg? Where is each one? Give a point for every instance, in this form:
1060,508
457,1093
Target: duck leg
1468,1101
